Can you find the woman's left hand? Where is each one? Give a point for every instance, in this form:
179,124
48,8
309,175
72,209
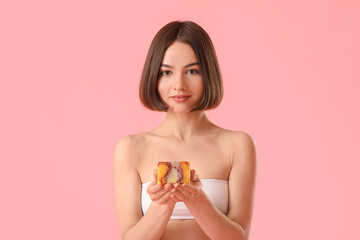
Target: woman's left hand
186,192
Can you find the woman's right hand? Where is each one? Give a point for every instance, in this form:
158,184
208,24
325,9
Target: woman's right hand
160,194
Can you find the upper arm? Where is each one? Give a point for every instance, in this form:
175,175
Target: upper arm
242,181
127,184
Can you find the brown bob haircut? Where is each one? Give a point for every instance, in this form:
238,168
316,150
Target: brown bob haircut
191,33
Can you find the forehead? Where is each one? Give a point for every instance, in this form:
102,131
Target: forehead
179,54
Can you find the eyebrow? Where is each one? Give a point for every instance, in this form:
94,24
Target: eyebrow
189,65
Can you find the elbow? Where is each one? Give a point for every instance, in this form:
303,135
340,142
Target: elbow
123,235
241,233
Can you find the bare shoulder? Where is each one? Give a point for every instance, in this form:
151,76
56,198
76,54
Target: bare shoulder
243,140
238,139
124,143
130,142
126,148
240,144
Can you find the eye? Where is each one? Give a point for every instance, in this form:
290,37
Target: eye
165,73
192,71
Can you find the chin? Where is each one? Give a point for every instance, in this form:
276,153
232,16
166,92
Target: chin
179,109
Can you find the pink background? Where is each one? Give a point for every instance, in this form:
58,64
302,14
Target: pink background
69,74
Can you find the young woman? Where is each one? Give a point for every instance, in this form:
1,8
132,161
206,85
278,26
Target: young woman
182,77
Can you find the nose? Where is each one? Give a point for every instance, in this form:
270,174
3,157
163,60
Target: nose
179,83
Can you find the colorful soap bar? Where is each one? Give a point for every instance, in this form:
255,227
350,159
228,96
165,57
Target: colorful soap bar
173,172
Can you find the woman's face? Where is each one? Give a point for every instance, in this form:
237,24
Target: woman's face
180,82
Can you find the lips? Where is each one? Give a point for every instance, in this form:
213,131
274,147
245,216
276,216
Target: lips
180,97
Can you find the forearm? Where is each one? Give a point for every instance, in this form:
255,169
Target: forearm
152,225
213,222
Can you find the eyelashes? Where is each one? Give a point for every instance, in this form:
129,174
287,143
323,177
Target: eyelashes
190,71
164,73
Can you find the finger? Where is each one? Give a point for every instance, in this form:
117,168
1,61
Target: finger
192,174
191,188
155,175
164,198
157,195
185,192
175,198
153,188
195,178
178,194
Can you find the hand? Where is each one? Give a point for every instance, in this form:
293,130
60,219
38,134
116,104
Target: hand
187,192
160,194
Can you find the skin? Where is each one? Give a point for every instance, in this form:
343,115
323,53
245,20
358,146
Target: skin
213,152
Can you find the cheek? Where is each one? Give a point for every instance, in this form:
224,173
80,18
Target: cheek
201,85
161,87
198,85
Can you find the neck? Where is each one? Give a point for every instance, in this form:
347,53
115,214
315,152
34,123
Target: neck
185,125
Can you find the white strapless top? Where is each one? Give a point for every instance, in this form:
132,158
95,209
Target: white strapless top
217,191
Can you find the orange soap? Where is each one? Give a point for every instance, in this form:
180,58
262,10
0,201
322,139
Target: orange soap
173,172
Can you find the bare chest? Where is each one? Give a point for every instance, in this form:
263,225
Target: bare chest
210,159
